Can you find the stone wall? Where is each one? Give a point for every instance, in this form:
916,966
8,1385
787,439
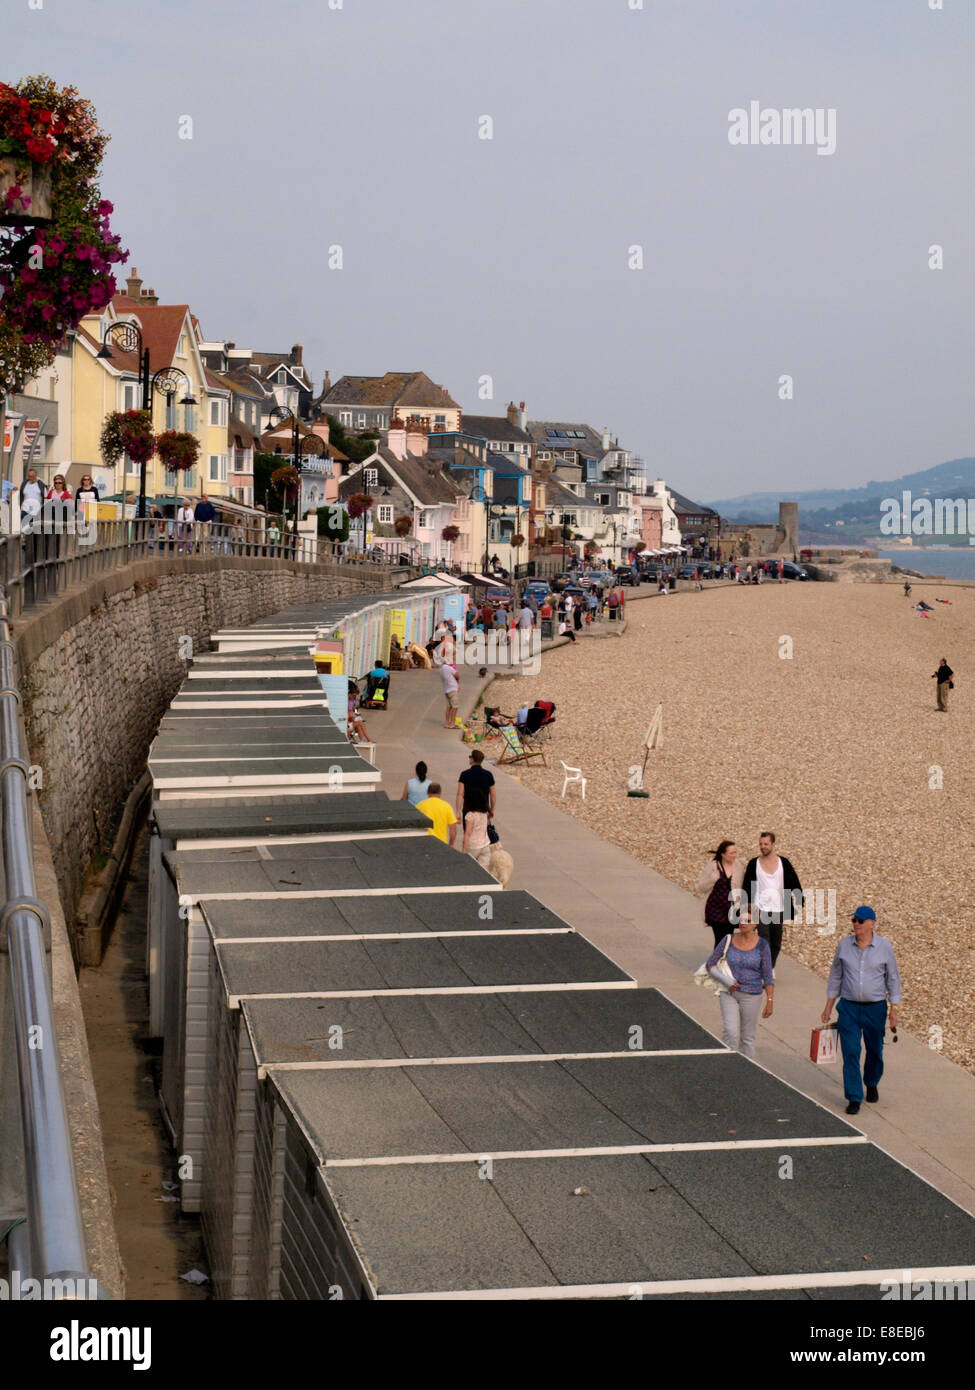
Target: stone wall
99,668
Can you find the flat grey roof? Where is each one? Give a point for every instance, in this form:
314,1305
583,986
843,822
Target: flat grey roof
306,815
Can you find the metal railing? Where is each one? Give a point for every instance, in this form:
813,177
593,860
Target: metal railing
50,1244
40,563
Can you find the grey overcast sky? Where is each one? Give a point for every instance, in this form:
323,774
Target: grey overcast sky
464,257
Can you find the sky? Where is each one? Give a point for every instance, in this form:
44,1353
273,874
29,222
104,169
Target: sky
506,264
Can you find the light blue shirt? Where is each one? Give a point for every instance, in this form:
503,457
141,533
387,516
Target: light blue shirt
417,791
864,977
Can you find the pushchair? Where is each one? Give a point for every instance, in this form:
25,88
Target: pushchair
376,694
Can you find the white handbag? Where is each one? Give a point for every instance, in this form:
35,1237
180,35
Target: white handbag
718,979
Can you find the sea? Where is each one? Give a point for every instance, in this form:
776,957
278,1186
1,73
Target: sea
956,562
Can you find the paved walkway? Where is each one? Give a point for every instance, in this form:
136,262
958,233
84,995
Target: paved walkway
655,930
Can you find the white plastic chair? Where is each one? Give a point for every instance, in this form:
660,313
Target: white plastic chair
573,774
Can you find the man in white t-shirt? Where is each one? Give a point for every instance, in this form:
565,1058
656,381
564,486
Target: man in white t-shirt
770,887
451,686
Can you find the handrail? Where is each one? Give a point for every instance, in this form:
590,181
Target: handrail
55,1246
61,550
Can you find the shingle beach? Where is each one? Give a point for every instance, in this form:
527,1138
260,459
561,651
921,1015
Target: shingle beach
838,749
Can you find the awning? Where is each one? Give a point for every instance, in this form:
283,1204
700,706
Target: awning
484,580
434,581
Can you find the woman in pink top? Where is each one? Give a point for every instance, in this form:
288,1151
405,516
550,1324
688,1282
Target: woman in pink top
476,841
59,489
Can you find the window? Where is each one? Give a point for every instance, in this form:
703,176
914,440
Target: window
282,378
440,422
130,465
370,477
218,468
427,519
345,417
181,348
543,455
602,498
185,481
361,421
129,397
218,412
385,514
189,419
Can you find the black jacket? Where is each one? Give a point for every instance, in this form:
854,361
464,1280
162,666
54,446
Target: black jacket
790,882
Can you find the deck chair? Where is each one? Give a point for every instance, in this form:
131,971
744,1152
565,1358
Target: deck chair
520,748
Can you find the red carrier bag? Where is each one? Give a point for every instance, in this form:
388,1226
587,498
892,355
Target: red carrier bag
823,1045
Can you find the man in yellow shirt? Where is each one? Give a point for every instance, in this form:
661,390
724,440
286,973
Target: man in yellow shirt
441,813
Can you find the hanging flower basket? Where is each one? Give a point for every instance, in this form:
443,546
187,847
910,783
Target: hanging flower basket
450,533
128,432
178,450
403,525
517,540
358,504
286,480
57,249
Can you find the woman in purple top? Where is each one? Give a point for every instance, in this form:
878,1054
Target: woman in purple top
750,962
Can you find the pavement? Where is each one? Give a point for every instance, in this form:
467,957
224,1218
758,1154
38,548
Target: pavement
654,930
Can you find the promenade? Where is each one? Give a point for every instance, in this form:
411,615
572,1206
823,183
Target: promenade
654,930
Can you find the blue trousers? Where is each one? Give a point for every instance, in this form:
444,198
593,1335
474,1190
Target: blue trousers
866,1022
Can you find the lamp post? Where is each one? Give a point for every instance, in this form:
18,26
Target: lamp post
166,382
278,415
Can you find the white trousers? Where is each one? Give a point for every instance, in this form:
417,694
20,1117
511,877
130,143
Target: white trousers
739,1020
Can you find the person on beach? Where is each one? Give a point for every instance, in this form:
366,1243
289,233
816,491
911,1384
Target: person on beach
451,687
441,813
716,881
907,588
943,676
768,879
477,842
748,958
475,777
862,978
417,787
565,630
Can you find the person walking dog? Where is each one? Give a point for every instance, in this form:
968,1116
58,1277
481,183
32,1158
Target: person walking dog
863,977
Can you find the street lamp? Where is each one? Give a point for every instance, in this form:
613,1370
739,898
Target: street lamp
127,337
278,415
166,382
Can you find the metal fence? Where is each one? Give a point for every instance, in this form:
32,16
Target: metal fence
48,1241
60,551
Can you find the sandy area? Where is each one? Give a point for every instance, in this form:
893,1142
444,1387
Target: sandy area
839,749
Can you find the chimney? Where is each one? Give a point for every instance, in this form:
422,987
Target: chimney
148,297
605,438
133,284
512,413
522,417
396,437
416,435
296,354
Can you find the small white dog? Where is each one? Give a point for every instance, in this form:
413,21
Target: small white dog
501,865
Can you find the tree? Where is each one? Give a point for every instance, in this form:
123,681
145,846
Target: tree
356,447
332,523
264,466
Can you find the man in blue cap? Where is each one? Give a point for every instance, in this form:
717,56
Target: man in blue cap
863,977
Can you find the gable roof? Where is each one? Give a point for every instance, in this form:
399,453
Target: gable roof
428,487
684,504
588,442
392,390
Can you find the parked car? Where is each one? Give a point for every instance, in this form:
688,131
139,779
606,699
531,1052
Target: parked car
499,597
539,588
625,575
687,571
791,571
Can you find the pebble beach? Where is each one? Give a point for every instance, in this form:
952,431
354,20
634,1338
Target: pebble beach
807,709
